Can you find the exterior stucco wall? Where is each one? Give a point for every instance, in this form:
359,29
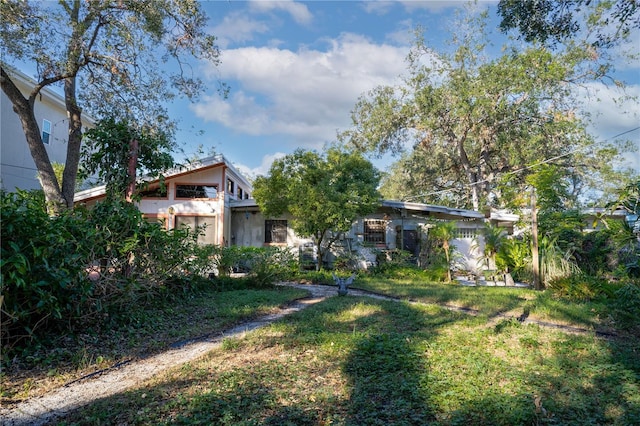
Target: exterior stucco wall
248,229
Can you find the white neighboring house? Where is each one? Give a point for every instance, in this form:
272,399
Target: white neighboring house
17,168
193,195
394,225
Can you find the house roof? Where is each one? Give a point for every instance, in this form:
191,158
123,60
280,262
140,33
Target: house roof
438,212
179,170
430,209
22,80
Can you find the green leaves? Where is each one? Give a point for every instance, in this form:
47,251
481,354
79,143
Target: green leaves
108,152
464,122
111,56
324,193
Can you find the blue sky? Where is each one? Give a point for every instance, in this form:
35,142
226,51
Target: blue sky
296,70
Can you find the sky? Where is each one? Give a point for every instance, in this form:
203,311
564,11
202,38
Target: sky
296,70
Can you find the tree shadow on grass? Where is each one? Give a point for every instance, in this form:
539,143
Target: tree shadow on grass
386,374
400,364
387,367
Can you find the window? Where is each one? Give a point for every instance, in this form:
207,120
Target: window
196,191
246,195
466,232
231,186
207,226
275,231
240,193
46,131
157,192
375,231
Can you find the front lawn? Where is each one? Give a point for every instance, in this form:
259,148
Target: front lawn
360,361
492,301
139,330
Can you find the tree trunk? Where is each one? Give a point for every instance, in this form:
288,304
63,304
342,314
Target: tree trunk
445,245
471,176
25,109
74,142
133,165
537,284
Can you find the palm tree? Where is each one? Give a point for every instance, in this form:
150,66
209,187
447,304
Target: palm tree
494,239
443,232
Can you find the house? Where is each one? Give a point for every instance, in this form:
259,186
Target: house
214,193
394,225
18,169
193,195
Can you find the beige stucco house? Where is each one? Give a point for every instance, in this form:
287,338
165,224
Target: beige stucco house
214,193
196,194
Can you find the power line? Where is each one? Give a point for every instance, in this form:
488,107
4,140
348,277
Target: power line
548,160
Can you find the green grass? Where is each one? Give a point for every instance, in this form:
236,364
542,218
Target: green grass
359,361
142,329
491,301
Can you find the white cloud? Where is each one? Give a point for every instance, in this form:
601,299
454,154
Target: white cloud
298,11
263,168
379,7
306,95
404,35
237,27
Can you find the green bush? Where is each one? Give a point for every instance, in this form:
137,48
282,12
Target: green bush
264,266
272,264
626,306
580,287
43,267
58,273
390,261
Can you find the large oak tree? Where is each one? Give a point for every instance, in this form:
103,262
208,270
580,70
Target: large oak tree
113,58
466,124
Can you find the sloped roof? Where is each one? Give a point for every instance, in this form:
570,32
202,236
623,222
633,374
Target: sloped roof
179,170
429,209
440,212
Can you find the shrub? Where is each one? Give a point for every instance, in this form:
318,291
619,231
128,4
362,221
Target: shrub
271,264
43,266
391,260
626,305
264,266
65,271
579,287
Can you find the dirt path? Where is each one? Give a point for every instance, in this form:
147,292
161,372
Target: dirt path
46,408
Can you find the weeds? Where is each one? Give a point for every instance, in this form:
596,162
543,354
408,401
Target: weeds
360,361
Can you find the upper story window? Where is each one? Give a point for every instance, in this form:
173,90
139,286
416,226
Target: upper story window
196,191
46,131
275,231
246,195
157,192
240,193
231,186
375,231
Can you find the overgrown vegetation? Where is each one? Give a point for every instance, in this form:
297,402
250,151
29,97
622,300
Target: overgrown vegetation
74,271
360,361
143,329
